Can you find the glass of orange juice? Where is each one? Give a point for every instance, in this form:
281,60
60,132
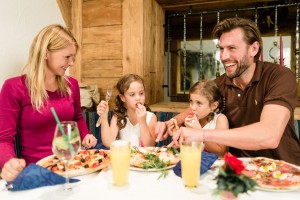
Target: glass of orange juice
190,155
120,157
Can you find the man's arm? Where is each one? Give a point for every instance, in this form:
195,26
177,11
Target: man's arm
161,128
265,134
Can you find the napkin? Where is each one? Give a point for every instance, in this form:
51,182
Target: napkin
34,176
99,146
207,160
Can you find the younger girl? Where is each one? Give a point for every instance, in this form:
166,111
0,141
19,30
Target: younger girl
131,120
206,103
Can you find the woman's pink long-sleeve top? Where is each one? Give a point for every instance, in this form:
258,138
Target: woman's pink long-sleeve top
36,129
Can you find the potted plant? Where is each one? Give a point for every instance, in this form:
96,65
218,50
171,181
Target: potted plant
230,180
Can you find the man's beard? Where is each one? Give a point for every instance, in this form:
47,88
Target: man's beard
240,69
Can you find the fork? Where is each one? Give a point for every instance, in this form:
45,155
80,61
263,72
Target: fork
107,98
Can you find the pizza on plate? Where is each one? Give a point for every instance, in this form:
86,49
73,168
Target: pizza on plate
85,162
273,174
153,157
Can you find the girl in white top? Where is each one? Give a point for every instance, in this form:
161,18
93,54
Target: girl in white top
131,120
206,103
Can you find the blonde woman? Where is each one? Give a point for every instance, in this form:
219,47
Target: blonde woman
25,101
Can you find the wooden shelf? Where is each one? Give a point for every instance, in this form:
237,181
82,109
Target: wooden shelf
169,106
180,106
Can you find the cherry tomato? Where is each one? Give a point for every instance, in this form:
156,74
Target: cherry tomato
55,168
96,164
86,152
78,163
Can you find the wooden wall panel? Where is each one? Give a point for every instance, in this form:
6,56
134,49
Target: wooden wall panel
132,36
102,69
158,57
65,9
102,44
101,12
141,47
148,50
119,37
112,50
102,34
76,13
153,49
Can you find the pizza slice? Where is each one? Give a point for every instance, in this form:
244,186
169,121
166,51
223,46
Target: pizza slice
85,162
152,158
273,174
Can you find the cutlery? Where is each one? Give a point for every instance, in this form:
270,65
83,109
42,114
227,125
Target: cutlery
107,98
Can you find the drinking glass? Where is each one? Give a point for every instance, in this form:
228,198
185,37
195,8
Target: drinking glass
120,158
65,145
190,155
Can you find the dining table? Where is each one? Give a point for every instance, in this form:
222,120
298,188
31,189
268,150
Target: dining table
142,184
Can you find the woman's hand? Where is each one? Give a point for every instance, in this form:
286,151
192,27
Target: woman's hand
102,109
141,113
89,141
12,169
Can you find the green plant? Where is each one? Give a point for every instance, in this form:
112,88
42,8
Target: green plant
230,177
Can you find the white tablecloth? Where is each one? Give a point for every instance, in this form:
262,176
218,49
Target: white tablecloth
142,185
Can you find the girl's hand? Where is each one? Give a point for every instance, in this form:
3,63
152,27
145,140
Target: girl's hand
12,169
141,113
89,141
192,122
102,109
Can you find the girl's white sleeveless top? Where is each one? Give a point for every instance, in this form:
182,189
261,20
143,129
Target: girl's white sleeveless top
132,133
213,123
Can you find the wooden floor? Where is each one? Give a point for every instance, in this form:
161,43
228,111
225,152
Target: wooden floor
180,106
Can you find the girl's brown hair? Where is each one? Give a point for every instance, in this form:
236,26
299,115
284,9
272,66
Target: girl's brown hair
122,86
210,90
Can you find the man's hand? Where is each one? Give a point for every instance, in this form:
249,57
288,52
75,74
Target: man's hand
12,169
185,134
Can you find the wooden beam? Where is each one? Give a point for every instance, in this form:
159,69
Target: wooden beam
76,13
65,9
132,36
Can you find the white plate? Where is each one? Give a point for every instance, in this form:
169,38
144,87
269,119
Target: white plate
151,169
278,190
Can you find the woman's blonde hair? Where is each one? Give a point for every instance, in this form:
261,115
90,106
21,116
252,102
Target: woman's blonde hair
51,38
